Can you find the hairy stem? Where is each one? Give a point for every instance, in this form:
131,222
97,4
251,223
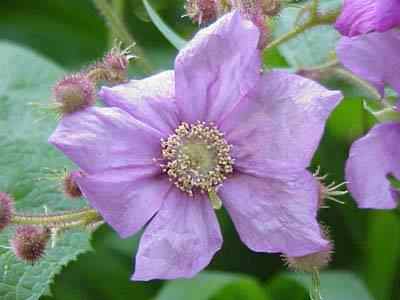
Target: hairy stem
315,19
315,290
67,219
118,27
328,65
288,36
347,75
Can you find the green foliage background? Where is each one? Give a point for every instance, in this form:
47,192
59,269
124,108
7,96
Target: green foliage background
70,34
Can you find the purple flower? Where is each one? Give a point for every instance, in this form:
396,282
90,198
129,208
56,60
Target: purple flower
372,159
363,16
167,146
374,57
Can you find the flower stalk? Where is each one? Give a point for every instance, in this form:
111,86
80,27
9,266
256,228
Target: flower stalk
315,289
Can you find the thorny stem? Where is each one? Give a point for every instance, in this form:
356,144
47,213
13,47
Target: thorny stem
64,220
315,19
117,26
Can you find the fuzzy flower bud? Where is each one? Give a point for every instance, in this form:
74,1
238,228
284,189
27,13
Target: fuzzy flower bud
314,261
71,189
6,210
74,92
202,11
114,66
29,243
117,61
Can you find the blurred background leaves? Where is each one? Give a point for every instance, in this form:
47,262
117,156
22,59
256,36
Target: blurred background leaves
71,34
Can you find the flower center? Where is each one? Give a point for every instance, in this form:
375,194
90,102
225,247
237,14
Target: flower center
197,157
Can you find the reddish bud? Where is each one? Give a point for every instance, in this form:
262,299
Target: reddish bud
29,243
202,11
113,67
271,7
74,93
117,60
6,210
253,10
314,261
71,189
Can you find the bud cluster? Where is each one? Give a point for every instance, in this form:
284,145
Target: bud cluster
77,91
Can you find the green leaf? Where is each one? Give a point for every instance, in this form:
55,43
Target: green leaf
168,33
215,286
313,47
383,253
334,285
24,152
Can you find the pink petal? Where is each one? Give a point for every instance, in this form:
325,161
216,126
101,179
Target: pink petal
281,122
98,139
374,57
388,14
181,239
150,100
364,16
275,213
126,198
372,158
217,68
357,17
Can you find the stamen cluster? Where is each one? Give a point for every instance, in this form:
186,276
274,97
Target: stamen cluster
197,157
